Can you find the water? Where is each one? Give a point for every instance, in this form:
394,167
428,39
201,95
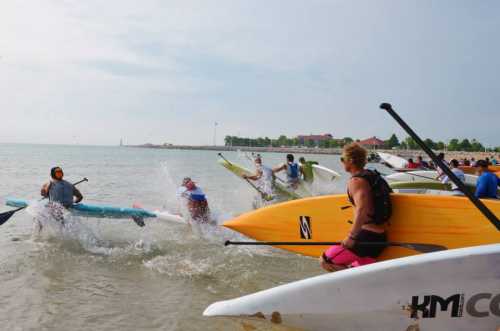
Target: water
98,274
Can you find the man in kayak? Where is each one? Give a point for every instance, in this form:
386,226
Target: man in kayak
264,175
62,195
60,191
292,171
412,165
487,183
421,163
369,194
459,173
197,203
306,169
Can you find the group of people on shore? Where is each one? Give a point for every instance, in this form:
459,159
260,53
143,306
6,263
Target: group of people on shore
421,164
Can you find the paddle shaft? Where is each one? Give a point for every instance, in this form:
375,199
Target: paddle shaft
424,248
421,176
263,194
461,186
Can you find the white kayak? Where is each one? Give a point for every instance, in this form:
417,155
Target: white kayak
424,176
455,290
393,160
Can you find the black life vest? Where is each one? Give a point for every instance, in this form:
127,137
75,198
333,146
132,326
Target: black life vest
381,192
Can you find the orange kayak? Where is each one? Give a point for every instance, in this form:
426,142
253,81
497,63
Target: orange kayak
472,170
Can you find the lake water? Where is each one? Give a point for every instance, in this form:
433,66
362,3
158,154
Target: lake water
102,274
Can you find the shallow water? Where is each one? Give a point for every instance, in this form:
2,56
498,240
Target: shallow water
98,274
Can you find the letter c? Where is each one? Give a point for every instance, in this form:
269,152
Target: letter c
471,305
495,305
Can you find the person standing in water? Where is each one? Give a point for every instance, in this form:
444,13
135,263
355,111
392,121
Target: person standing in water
292,171
306,169
264,175
59,190
197,203
369,194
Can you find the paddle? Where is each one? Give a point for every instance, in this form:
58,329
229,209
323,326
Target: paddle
421,176
4,217
461,186
264,195
422,248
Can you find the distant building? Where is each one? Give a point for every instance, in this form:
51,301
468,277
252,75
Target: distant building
303,139
372,143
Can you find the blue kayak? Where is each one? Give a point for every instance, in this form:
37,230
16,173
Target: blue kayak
99,211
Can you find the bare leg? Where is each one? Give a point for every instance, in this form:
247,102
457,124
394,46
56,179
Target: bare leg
37,226
330,267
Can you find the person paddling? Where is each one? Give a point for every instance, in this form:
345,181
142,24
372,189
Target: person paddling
59,190
264,175
197,203
292,171
487,183
369,194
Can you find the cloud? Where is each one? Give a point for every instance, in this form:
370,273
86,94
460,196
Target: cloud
165,71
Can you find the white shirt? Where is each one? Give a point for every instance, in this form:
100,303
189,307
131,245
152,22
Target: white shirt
459,173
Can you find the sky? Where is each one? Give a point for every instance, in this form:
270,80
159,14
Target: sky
93,72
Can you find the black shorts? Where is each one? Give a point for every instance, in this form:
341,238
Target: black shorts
366,250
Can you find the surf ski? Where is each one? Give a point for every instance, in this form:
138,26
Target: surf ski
454,290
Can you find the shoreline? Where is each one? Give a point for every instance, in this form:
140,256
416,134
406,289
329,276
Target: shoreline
320,151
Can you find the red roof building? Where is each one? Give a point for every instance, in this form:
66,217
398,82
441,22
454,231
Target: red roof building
372,142
314,137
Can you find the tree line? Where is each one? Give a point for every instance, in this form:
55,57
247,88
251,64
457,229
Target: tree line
393,142
284,141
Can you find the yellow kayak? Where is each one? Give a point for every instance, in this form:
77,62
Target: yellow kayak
452,222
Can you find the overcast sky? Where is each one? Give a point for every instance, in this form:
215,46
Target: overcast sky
92,72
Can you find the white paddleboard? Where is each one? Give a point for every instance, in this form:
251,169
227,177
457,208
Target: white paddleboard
423,176
393,160
455,290
323,174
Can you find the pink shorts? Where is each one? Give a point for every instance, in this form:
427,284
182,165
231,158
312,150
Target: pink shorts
340,255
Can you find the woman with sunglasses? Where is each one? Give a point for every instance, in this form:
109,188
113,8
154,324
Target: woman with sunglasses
369,195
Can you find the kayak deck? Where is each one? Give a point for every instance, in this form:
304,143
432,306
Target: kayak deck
99,211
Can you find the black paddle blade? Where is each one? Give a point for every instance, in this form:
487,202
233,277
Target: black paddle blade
4,217
139,221
424,248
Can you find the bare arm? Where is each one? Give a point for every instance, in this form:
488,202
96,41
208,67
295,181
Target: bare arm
45,190
279,168
77,195
257,175
361,194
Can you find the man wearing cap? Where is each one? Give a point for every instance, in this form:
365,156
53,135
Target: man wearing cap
197,203
61,191
487,183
